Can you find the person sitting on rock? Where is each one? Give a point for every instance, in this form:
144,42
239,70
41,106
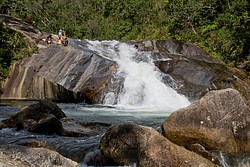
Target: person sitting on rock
64,39
49,39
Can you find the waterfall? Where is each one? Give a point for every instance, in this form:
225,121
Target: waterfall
143,85
223,160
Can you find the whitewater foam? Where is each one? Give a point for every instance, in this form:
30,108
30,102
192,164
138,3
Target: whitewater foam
143,85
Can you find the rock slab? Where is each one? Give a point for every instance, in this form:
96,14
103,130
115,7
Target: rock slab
218,121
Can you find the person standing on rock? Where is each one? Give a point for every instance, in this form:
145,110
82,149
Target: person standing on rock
59,40
62,39
29,20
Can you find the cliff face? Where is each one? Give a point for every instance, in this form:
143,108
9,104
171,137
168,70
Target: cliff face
76,73
60,73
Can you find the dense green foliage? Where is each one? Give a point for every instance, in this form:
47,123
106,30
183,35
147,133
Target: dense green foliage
221,27
13,47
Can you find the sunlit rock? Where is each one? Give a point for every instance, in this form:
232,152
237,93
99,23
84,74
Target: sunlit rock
14,155
59,73
144,146
218,121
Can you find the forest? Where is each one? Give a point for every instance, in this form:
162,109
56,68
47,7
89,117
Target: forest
220,27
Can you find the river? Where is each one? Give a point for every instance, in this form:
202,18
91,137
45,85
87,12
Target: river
77,148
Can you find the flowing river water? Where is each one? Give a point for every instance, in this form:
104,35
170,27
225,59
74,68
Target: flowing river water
80,146
143,99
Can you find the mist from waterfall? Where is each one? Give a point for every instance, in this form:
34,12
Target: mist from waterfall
143,85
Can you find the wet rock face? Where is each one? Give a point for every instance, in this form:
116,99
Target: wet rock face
198,73
14,155
144,146
218,121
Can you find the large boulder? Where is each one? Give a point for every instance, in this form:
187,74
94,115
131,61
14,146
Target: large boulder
34,112
14,155
218,121
144,146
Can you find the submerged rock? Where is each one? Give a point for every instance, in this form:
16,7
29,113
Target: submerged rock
218,121
144,146
14,155
34,112
42,117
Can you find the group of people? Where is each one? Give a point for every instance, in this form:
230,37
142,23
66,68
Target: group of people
60,40
61,36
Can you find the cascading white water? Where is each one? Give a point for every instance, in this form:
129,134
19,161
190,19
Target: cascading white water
143,86
223,161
